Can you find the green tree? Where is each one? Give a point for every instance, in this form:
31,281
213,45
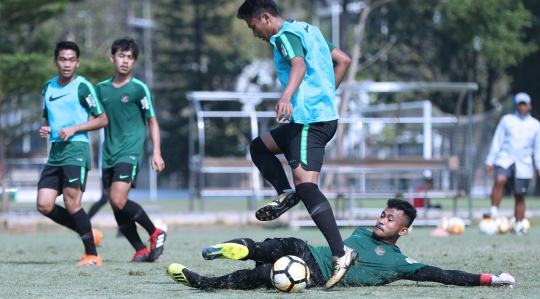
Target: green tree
23,64
199,49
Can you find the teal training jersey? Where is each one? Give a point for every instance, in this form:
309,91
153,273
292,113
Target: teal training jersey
379,262
127,108
72,104
65,106
314,101
296,49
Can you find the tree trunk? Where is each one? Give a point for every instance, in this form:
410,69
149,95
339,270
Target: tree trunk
492,77
344,29
5,195
353,69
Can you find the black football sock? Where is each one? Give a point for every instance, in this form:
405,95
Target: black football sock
98,204
269,166
321,212
239,280
85,231
61,216
136,213
129,229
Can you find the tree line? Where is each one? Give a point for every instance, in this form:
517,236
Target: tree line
200,45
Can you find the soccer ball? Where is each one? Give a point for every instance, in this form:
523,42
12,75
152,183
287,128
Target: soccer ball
502,224
456,225
526,226
290,274
443,223
158,223
488,226
511,224
525,222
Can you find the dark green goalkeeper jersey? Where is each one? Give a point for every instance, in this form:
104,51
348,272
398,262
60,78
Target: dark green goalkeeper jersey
127,108
379,262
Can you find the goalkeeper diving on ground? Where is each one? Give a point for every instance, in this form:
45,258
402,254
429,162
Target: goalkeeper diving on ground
381,261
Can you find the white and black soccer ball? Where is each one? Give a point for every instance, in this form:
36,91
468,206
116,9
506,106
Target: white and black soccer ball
290,274
488,226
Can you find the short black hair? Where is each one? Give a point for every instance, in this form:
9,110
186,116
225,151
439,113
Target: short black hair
405,206
255,8
125,44
66,45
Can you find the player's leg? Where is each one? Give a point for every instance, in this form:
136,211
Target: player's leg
74,182
49,187
124,218
265,254
307,147
128,212
98,204
501,177
520,189
268,251
238,280
263,150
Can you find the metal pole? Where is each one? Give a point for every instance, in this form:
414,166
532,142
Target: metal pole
335,22
149,80
191,178
470,145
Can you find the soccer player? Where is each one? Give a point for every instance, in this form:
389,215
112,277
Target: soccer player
71,109
309,69
382,261
128,104
516,140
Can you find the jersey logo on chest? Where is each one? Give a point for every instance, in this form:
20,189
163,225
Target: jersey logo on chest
51,98
124,97
379,250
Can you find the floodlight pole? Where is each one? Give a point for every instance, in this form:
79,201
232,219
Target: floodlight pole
146,24
334,10
470,167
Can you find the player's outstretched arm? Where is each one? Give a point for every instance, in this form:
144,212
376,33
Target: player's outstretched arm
460,278
93,123
157,162
341,65
284,106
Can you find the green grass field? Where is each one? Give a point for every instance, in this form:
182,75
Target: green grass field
230,204
42,265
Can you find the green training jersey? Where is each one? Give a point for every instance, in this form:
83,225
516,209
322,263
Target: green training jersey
65,106
127,108
379,262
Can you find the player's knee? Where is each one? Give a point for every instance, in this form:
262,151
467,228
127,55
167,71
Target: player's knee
257,146
117,203
44,208
72,204
500,181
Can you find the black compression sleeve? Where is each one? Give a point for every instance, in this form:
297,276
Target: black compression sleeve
451,277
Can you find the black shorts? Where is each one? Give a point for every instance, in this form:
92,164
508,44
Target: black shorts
519,186
304,144
60,177
121,172
299,248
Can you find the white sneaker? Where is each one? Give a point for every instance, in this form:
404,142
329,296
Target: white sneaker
503,279
341,265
